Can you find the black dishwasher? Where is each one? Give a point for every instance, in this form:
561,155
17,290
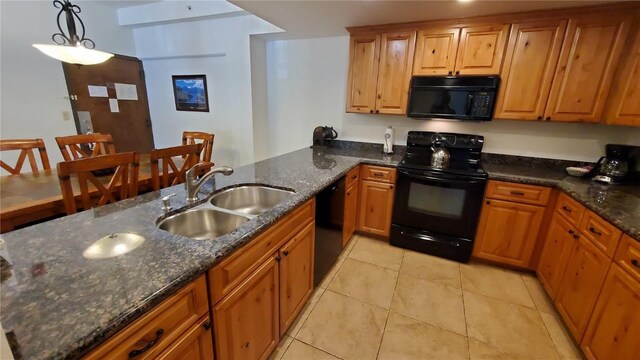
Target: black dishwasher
329,222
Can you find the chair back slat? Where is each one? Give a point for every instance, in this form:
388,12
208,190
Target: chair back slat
26,147
121,185
172,174
82,146
198,137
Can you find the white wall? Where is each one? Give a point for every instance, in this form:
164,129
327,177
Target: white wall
306,81
220,49
32,85
259,97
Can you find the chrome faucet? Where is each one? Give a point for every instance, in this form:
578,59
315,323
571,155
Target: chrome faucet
192,185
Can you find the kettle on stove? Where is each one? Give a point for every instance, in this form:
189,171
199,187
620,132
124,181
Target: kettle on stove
440,155
322,135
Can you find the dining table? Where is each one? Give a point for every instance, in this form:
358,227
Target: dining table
34,197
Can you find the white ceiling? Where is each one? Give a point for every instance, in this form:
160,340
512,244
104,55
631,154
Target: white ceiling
309,19
122,3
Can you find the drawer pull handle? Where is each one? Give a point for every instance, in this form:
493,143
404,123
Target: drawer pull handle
519,193
593,230
571,232
635,263
136,352
378,174
565,208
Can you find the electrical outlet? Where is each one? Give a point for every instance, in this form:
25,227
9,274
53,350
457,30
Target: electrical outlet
66,115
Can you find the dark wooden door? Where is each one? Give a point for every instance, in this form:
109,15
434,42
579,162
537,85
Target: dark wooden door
111,98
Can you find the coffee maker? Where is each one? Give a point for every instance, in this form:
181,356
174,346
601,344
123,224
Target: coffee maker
322,135
620,165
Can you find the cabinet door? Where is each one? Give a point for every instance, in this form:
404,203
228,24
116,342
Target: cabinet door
436,51
581,284
588,59
529,66
376,206
623,106
507,232
614,329
481,49
296,275
350,213
556,252
396,61
364,51
246,321
196,343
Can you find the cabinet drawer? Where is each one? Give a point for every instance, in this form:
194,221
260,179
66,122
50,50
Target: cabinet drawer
164,324
352,177
604,235
570,208
521,193
378,173
225,276
628,256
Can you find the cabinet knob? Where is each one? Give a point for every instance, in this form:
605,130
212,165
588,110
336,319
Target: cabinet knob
278,258
450,72
207,325
488,202
377,111
458,72
371,111
635,263
566,208
539,117
391,187
571,232
576,236
286,253
548,118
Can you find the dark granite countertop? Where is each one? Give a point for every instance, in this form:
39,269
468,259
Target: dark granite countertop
57,304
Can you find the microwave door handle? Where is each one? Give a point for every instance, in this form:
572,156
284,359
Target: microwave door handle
469,103
425,178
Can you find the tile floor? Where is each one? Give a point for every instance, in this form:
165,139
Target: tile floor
382,302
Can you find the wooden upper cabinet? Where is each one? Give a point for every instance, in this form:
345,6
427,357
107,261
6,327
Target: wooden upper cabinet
481,49
623,106
436,51
507,232
589,56
530,63
363,73
396,60
614,328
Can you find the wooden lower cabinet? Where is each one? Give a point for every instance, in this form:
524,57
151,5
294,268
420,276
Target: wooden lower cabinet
247,322
556,252
196,343
350,213
296,275
507,232
614,329
376,207
581,284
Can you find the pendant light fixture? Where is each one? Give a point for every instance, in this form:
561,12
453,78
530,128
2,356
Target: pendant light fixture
72,47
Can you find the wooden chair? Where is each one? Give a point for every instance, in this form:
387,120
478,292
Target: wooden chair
197,137
81,146
123,183
26,147
167,178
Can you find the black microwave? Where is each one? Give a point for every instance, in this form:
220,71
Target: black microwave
453,97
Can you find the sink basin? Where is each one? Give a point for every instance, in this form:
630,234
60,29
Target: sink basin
202,224
250,199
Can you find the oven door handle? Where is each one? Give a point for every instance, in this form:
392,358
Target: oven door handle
444,179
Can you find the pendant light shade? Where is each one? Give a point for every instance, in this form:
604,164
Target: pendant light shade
72,47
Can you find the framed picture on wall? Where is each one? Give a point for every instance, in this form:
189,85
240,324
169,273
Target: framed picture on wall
190,92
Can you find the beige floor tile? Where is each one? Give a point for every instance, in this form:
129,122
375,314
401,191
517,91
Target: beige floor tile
304,313
282,348
334,270
370,283
481,351
509,328
377,252
561,337
442,271
344,327
498,283
301,351
433,303
406,338
350,245
538,294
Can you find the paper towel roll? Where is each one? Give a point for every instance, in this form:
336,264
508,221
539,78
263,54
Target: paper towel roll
387,147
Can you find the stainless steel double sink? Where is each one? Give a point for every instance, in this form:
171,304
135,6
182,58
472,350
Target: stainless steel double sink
224,211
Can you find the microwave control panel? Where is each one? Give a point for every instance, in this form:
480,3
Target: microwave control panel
482,103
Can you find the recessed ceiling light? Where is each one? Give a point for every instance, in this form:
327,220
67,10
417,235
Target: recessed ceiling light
464,1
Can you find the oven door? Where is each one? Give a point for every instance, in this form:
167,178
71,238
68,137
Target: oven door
439,203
